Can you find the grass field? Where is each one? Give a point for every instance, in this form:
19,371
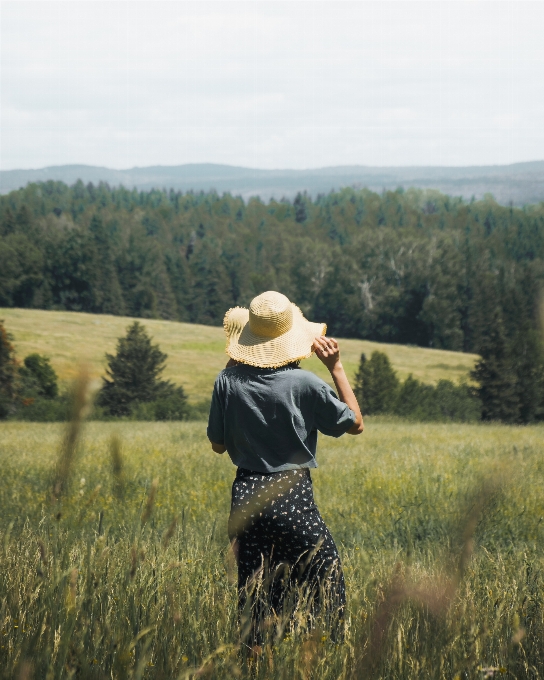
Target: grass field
195,353
90,590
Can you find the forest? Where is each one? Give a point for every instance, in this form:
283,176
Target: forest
412,267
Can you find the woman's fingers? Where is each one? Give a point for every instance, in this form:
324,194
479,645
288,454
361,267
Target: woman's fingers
324,346
321,344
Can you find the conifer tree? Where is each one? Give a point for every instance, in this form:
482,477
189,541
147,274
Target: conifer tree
359,381
133,374
301,214
528,364
8,372
376,384
108,297
495,375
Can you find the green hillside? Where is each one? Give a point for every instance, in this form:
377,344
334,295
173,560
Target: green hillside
196,353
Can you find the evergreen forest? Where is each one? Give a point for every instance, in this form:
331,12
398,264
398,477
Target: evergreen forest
411,267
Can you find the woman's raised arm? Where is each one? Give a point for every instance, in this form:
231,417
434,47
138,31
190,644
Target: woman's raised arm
328,351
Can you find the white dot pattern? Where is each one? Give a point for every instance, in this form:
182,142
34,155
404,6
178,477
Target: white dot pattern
277,524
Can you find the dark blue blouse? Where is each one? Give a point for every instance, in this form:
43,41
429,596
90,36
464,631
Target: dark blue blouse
268,419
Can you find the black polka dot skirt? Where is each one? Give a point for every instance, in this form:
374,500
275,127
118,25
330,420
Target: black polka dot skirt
289,570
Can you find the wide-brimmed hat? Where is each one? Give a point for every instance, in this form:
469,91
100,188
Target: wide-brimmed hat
271,333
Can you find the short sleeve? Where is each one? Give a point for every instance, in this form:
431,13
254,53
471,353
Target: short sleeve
332,416
216,420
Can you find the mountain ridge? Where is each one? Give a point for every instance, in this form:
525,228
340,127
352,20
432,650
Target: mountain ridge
519,183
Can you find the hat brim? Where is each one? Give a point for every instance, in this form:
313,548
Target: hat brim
264,352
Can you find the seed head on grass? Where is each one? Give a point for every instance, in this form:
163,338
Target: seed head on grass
170,532
43,552
25,671
117,467
72,590
146,514
434,595
133,562
67,454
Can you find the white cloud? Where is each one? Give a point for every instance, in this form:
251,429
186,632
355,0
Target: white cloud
271,84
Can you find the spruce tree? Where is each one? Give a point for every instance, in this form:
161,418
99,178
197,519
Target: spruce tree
359,382
495,375
376,384
108,296
301,214
133,374
8,372
528,364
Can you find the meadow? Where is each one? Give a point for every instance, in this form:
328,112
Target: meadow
196,353
122,569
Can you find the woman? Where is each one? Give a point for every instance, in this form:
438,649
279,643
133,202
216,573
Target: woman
266,413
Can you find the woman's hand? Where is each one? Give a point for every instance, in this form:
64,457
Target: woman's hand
327,351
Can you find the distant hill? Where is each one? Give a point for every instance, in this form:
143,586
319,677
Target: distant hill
519,183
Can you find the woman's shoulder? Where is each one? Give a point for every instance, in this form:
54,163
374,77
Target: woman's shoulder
306,378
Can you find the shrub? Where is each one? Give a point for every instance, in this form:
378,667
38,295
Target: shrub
415,400
457,402
443,402
199,411
38,377
42,410
172,407
378,390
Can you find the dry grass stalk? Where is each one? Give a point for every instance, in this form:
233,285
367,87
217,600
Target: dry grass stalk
72,589
43,552
170,532
309,652
146,514
117,466
25,671
206,668
79,407
133,562
230,563
435,595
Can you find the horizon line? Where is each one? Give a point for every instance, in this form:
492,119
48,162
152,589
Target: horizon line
278,169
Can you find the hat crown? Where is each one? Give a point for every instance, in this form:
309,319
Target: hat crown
270,315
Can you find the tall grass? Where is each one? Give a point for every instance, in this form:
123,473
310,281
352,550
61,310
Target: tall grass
134,579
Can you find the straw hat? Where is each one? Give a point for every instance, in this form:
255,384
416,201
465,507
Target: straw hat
271,333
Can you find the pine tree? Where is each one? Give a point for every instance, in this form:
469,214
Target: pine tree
359,382
494,373
8,372
133,374
301,214
528,364
376,384
108,297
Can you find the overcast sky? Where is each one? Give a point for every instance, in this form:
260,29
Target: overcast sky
271,84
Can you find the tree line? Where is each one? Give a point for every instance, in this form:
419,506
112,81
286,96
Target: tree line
411,267
133,388
496,393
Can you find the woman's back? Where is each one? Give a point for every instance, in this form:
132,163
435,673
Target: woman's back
268,418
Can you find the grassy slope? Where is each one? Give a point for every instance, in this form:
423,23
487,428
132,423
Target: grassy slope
195,353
